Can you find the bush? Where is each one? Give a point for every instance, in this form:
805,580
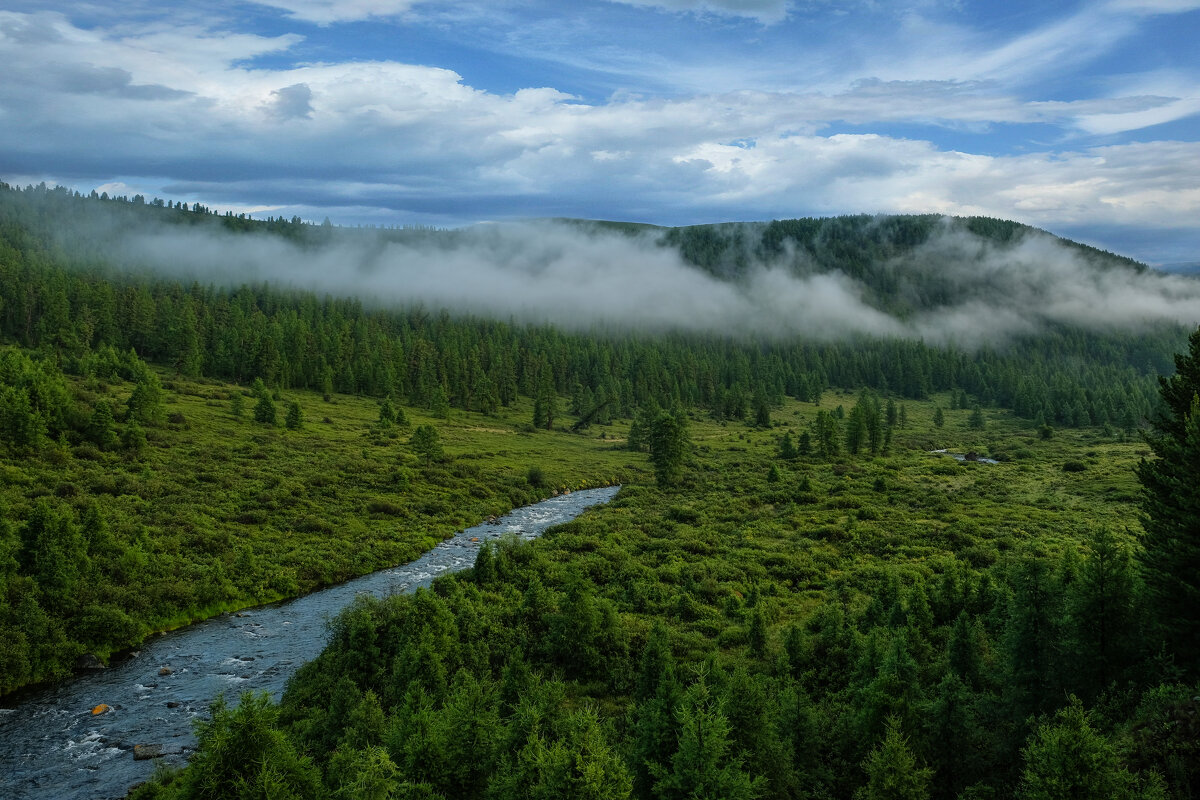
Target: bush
1074,466
535,477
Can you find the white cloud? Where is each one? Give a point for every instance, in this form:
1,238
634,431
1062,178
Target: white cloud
764,11
326,12
183,108
1154,6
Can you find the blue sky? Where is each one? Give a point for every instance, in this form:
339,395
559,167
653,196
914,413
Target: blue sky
1081,118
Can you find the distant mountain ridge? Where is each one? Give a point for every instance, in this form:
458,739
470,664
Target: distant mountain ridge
1181,268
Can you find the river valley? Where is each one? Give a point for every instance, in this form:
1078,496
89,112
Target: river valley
52,745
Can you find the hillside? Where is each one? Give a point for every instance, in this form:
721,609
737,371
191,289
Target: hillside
794,594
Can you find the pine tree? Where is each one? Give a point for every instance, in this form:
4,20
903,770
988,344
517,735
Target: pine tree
1170,558
387,413
264,409
295,417
705,764
237,404
892,770
427,443
100,426
1068,758
439,402
669,446
146,403
939,419
545,402
787,450
1102,609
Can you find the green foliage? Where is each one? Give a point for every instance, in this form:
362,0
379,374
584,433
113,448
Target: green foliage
241,753
670,445
1068,758
957,599
264,408
426,443
387,413
892,770
100,427
294,420
133,439
146,403
787,450
1102,606
704,765
535,476
1170,557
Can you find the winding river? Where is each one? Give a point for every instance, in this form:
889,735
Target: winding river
53,746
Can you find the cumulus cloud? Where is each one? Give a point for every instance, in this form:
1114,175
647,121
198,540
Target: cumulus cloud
236,119
291,102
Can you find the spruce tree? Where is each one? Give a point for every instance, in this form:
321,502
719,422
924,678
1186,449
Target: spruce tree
669,446
264,409
427,443
892,770
295,417
1170,558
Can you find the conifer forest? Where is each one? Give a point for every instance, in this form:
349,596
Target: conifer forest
922,557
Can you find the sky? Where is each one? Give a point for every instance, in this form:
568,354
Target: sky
1079,118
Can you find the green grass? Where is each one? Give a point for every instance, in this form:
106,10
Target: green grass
219,513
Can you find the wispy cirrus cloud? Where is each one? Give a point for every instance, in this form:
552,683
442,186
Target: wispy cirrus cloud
764,11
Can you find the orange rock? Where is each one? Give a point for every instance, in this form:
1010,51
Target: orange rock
474,538
100,709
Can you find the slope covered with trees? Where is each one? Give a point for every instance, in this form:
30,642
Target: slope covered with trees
791,597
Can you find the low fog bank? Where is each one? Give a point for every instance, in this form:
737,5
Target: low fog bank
582,278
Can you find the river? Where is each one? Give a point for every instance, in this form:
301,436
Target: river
53,746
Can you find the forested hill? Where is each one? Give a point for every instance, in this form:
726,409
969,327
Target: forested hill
217,295
199,412
898,264
865,246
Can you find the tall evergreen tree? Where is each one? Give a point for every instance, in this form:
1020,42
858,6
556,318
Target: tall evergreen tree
264,409
1170,557
892,770
669,446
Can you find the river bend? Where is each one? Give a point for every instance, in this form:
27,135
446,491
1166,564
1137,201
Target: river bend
52,746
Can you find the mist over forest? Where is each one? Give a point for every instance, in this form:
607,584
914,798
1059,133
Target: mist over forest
965,282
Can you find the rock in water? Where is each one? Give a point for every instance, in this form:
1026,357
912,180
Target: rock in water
89,661
100,709
144,752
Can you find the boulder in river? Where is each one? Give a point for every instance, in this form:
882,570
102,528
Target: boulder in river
165,671
103,708
144,752
89,661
